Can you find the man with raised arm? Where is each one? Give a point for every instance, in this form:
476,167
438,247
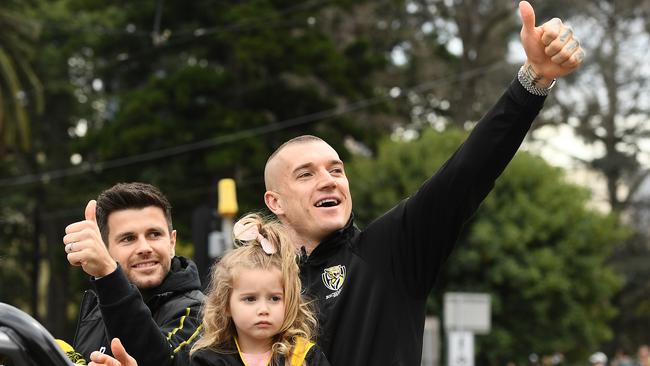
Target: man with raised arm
370,286
142,293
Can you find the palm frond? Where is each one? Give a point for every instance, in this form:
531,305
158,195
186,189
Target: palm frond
9,76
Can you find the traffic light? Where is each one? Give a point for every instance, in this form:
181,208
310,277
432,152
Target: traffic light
227,206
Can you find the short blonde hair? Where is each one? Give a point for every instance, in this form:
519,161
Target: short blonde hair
296,140
299,321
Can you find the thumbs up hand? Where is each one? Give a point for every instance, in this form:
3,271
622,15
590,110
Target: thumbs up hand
85,247
551,49
90,213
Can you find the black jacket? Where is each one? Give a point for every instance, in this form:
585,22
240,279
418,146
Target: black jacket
157,331
371,286
207,357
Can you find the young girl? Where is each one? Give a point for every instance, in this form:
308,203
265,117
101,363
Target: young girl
254,314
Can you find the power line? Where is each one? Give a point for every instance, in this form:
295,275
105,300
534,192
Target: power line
240,135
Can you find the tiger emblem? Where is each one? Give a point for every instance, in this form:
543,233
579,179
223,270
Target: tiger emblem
333,277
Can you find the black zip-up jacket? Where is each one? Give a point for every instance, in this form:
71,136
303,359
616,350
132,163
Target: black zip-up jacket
208,357
158,331
371,286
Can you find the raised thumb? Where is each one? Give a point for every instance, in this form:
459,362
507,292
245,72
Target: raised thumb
527,16
90,212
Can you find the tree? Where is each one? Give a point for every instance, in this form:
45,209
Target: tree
216,89
534,246
19,85
205,94
34,274
606,106
453,53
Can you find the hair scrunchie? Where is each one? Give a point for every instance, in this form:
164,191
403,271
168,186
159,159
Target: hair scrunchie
251,231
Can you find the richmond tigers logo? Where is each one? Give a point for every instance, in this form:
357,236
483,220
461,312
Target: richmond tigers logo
333,277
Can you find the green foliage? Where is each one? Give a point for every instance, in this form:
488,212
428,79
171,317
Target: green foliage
206,92
19,85
399,168
543,254
534,245
14,256
227,82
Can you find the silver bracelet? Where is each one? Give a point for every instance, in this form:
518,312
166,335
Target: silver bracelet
528,80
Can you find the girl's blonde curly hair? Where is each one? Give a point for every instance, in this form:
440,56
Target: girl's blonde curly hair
299,320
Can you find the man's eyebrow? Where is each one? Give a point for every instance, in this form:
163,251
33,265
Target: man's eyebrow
310,164
155,228
123,234
302,166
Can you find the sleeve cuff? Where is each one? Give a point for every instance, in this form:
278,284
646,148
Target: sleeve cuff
523,97
113,287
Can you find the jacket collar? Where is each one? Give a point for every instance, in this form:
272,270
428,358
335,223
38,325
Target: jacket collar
331,243
183,276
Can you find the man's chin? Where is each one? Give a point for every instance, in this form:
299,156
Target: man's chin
333,220
330,226
144,283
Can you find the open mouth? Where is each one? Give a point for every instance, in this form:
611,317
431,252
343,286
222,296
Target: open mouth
328,202
144,265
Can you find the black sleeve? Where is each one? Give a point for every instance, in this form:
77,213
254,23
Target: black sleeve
411,241
316,357
181,327
127,317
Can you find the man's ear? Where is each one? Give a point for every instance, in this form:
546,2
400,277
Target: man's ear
172,240
273,202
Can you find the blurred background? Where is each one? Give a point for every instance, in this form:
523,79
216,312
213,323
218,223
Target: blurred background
181,94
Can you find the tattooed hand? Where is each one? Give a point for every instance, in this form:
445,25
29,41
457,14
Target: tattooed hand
551,49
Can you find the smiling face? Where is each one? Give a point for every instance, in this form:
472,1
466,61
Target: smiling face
140,241
257,307
308,190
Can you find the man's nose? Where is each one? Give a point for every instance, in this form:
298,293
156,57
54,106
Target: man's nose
143,245
326,180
